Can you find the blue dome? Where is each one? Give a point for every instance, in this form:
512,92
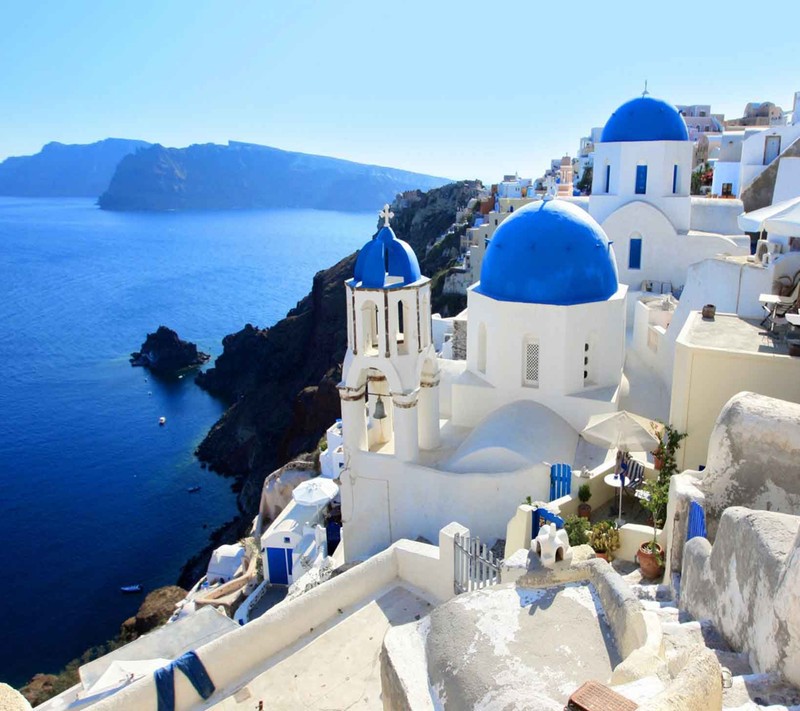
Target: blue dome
645,119
386,262
549,252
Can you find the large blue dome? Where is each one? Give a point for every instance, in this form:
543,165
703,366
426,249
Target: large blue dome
645,119
549,252
386,262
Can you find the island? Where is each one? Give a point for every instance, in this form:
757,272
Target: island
165,353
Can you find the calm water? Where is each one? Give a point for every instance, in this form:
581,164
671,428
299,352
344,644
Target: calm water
92,490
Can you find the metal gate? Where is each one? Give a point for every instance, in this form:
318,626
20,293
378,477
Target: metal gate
475,565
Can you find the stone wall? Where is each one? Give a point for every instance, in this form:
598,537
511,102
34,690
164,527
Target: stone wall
747,583
759,193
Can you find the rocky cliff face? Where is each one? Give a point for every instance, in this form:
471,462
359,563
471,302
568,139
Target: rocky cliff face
60,170
281,382
246,176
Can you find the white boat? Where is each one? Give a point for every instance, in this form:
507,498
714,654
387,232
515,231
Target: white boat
162,421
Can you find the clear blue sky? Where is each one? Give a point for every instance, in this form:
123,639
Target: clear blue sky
459,89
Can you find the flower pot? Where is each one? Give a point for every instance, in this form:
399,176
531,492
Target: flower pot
649,562
658,462
602,554
708,312
584,511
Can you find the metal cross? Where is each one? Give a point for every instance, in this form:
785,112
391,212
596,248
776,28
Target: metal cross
645,92
386,214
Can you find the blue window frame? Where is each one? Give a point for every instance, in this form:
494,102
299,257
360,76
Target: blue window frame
641,179
674,179
635,253
608,178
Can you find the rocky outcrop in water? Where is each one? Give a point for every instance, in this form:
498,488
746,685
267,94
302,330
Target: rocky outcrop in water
247,176
163,352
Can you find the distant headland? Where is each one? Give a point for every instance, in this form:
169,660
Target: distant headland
138,176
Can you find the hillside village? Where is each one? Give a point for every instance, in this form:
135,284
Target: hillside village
581,490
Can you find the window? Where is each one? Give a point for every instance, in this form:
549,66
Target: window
530,372
608,179
586,380
674,179
402,322
641,179
635,253
727,189
369,326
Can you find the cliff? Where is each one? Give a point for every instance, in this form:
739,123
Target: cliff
60,170
281,381
245,176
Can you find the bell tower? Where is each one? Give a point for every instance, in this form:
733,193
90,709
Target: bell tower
389,388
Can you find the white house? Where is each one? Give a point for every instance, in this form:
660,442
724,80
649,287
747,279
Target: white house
429,440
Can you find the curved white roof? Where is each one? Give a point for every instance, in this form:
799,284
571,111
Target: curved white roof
518,435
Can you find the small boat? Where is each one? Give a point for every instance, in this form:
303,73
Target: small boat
131,588
194,489
162,421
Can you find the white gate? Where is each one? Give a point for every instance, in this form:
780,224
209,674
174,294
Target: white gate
475,565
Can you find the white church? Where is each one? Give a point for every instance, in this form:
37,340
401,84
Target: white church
428,440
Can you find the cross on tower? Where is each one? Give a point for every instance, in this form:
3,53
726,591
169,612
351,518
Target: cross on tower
645,92
386,214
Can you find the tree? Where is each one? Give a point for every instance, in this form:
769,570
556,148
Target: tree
585,183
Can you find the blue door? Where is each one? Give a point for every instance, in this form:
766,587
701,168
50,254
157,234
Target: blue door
641,179
635,253
279,561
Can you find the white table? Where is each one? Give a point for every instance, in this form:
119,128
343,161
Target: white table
615,482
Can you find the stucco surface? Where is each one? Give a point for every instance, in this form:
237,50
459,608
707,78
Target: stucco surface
747,586
518,648
753,457
339,668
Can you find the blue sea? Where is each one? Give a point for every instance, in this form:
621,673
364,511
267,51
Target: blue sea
92,491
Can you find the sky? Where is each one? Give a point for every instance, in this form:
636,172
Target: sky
454,89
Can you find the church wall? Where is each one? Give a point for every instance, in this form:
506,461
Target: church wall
389,500
561,332
660,158
666,255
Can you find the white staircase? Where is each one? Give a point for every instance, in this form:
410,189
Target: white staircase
747,691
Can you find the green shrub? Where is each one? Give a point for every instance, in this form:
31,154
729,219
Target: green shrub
577,529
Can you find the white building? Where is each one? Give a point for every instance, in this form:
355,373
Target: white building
428,440
640,196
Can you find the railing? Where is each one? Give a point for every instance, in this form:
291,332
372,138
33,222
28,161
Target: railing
242,615
475,565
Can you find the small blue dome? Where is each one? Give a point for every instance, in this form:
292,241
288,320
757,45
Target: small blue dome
549,252
386,262
645,119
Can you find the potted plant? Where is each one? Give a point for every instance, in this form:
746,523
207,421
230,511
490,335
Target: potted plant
577,529
651,554
604,538
584,494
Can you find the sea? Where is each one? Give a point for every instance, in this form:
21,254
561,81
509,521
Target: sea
93,492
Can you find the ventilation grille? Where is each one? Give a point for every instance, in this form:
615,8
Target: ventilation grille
532,363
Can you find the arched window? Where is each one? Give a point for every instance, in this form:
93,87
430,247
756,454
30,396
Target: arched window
369,327
530,362
482,348
404,328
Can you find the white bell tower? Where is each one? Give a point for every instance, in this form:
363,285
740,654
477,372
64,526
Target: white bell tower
389,388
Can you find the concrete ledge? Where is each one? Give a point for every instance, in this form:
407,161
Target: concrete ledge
698,686
404,669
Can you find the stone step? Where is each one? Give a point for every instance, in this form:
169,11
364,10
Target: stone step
737,662
699,632
661,593
754,691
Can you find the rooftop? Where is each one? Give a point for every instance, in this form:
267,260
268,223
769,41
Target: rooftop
728,332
